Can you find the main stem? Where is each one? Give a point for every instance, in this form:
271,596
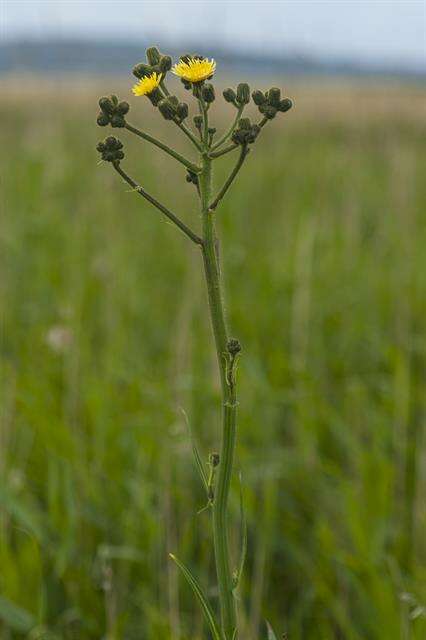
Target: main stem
221,494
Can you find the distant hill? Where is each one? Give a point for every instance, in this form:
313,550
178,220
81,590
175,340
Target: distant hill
96,57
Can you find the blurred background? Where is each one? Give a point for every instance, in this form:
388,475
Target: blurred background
106,345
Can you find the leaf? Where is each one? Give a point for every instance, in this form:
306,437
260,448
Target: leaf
197,457
14,617
205,605
271,633
239,571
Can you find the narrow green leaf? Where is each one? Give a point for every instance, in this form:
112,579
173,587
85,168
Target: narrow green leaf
197,457
205,605
14,617
239,571
271,633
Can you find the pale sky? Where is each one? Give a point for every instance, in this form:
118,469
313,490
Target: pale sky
363,30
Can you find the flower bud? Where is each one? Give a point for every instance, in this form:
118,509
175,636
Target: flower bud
106,105
214,459
153,56
182,111
245,123
234,346
167,109
198,122
117,120
258,97
155,96
102,119
245,133
165,64
111,149
230,95
268,111
141,70
285,105
207,92
274,96
123,108
254,132
243,93
212,131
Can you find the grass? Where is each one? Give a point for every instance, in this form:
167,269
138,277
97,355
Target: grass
104,349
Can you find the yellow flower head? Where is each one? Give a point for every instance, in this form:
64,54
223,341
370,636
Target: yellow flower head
147,84
195,69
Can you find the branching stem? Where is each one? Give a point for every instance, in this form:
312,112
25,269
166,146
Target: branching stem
171,216
217,154
243,154
187,163
231,129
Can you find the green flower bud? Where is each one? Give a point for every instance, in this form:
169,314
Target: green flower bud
207,92
230,95
106,105
254,132
114,100
153,56
102,119
111,149
258,97
285,105
268,111
155,96
212,131
165,64
182,111
123,108
117,120
244,123
187,85
214,459
245,134
198,122
186,57
234,346
141,70
274,96
167,109
243,93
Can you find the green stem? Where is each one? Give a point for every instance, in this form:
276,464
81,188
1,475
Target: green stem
231,178
217,154
221,494
190,165
231,129
188,133
171,216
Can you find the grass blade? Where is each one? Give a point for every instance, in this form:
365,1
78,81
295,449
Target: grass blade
197,457
205,605
271,632
239,571
16,618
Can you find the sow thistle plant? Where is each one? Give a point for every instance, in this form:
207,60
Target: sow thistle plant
195,73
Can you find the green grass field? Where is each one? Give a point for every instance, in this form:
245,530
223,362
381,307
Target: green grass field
105,343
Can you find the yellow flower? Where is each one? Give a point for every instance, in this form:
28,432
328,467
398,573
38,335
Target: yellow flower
194,69
147,84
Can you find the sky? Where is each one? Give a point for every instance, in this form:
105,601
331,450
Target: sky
389,31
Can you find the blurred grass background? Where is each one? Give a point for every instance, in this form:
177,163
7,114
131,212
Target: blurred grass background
105,342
